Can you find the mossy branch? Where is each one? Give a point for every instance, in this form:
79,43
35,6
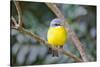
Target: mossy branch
19,27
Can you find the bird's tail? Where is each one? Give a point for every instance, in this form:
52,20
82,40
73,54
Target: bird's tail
53,52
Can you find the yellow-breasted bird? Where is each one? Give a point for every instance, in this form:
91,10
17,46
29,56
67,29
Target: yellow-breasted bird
57,35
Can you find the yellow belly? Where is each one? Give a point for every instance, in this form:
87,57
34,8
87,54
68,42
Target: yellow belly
57,36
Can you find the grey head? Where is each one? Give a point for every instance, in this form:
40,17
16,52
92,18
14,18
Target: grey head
56,22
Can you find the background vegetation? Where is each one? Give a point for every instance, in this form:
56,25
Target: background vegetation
36,18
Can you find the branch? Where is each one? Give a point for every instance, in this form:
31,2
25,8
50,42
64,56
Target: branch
73,36
19,13
67,53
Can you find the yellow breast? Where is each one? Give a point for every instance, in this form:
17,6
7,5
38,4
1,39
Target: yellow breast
57,36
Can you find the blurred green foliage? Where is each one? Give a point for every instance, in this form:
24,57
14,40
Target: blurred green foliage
36,18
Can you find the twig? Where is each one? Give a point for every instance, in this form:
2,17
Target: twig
21,29
15,25
73,36
19,12
14,21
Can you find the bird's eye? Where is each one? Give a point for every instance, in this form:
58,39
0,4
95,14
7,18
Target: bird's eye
57,24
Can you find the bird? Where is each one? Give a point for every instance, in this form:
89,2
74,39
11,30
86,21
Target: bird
57,36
